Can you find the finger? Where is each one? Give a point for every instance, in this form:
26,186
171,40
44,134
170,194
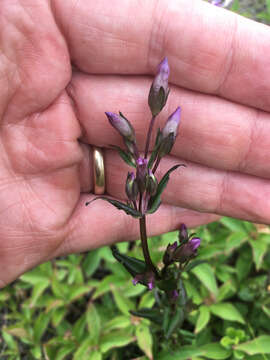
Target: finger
210,50
203,189
213,131
101,224
199,188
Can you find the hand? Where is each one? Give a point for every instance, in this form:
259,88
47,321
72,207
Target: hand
50,115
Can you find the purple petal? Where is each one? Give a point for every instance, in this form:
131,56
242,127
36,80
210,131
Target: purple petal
195,243
172,124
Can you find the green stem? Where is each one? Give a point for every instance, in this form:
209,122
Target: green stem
146,253
149,136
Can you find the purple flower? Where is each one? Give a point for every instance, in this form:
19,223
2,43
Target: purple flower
122,125
147,279
187,250
172,124
168,255
159,90
169,133
194,243
175,294
216,2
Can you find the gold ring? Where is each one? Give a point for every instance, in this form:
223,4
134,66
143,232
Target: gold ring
99,171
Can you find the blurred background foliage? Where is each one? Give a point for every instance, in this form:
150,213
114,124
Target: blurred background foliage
77,307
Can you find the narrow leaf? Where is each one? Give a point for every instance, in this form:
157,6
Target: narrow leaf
206,275
133,266
203,319
119,205
156,200
227,311
144,339
124,155
150,314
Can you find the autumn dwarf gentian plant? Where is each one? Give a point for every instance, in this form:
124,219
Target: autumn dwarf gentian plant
143,192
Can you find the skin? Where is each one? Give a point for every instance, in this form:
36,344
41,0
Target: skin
51,112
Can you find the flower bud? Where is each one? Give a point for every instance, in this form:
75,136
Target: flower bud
186,251
132,189
168,255
183,234
151,184
172,124
142,173
169,133
159,90
122,125
147,279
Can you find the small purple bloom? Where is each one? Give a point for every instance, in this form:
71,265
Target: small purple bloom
151,282
194,243
159,90
222,3
162,77
172,124
122,125
187,250
216,2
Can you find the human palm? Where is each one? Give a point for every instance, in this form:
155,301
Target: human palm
52,113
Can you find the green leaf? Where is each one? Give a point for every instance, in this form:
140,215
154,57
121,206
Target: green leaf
95,355
10,341
205,274
91,262
227,311
175,320
115,339
64,351
185,353
155,201
93,322
119,205
243,264
235,240
259,249
203,319
119,322
227,290
133,266
77,292
259,345
193,264
144,339
123,303
233,224
41,325
216,351
147,300
150,314
127,157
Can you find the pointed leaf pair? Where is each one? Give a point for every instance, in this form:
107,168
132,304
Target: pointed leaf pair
172,320
133,266
155,201
125,155
119,205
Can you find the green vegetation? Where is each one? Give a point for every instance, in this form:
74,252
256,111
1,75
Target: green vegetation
78,307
